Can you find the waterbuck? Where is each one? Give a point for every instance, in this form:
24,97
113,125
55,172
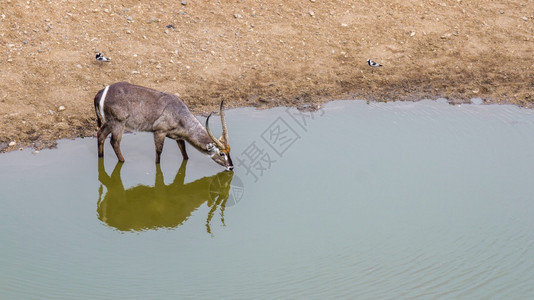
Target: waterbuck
122,106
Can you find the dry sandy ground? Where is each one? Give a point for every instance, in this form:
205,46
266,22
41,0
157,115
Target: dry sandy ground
254,53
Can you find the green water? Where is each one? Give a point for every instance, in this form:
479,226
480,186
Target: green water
369,201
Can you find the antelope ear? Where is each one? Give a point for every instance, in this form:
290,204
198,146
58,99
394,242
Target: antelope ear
212,148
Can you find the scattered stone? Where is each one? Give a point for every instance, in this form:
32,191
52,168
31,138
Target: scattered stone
36,152
524,18
344,25
502,12
477,101
78,66
238,16
412,33
184,3
309,107
50,112
170,26
129,19
13,143
312,13
61,108
266,100
62,125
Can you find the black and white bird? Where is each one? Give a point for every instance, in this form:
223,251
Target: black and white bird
373,64
101,58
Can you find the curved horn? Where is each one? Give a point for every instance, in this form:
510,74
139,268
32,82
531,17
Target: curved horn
224,129
215,140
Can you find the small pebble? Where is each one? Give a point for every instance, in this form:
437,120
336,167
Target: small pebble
11,144
477,101
61,108
184,3
524,18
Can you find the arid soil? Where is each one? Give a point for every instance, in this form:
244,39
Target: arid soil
253,53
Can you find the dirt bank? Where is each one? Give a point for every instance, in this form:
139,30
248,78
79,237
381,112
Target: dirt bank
253,53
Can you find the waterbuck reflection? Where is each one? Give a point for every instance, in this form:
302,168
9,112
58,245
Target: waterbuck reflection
145,207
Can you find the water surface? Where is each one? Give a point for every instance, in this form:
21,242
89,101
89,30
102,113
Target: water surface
371,201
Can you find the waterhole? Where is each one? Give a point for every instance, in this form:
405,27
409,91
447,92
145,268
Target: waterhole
355,200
